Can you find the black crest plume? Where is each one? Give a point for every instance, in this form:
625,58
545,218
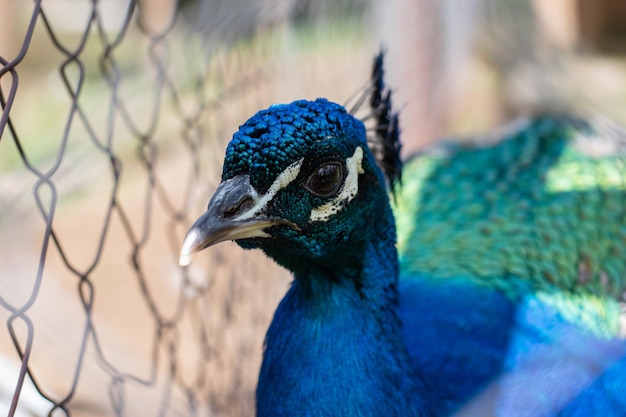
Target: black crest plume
386,130
382,123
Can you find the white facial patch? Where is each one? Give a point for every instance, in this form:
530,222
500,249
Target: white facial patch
283,180
348,192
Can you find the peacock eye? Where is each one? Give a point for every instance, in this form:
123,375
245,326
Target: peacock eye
326,180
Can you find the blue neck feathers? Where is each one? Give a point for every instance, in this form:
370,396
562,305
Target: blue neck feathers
335,345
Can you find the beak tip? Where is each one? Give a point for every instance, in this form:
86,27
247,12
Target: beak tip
185,259
191,245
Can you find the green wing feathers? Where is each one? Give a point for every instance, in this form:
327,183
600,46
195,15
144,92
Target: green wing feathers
542,208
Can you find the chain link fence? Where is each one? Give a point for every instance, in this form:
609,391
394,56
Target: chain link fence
114,119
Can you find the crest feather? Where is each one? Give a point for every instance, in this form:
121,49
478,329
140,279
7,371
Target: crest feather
383,125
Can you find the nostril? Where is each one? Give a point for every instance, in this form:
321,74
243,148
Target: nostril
238,208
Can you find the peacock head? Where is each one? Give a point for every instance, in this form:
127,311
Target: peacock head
300,183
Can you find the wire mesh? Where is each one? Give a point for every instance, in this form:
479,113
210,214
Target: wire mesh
114,120
113,125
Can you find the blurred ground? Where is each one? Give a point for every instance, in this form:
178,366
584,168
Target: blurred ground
456,73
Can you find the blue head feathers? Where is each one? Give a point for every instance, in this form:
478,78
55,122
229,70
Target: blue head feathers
276,137
300,165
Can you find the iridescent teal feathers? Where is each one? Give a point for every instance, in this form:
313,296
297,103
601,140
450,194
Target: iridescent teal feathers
536,209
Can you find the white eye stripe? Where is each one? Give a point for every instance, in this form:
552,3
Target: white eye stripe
284,179
324,212
349,190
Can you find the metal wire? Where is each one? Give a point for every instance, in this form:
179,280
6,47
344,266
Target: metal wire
188,104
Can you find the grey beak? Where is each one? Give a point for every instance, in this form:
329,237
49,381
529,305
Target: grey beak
233,213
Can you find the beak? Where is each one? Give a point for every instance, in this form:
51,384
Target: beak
234,212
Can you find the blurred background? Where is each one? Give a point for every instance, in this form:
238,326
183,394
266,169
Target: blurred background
115,116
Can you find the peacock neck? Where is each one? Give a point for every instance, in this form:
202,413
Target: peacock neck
335,345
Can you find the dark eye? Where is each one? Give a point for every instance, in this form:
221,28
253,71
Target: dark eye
326,180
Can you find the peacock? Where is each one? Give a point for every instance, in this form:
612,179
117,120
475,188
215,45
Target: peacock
476,278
